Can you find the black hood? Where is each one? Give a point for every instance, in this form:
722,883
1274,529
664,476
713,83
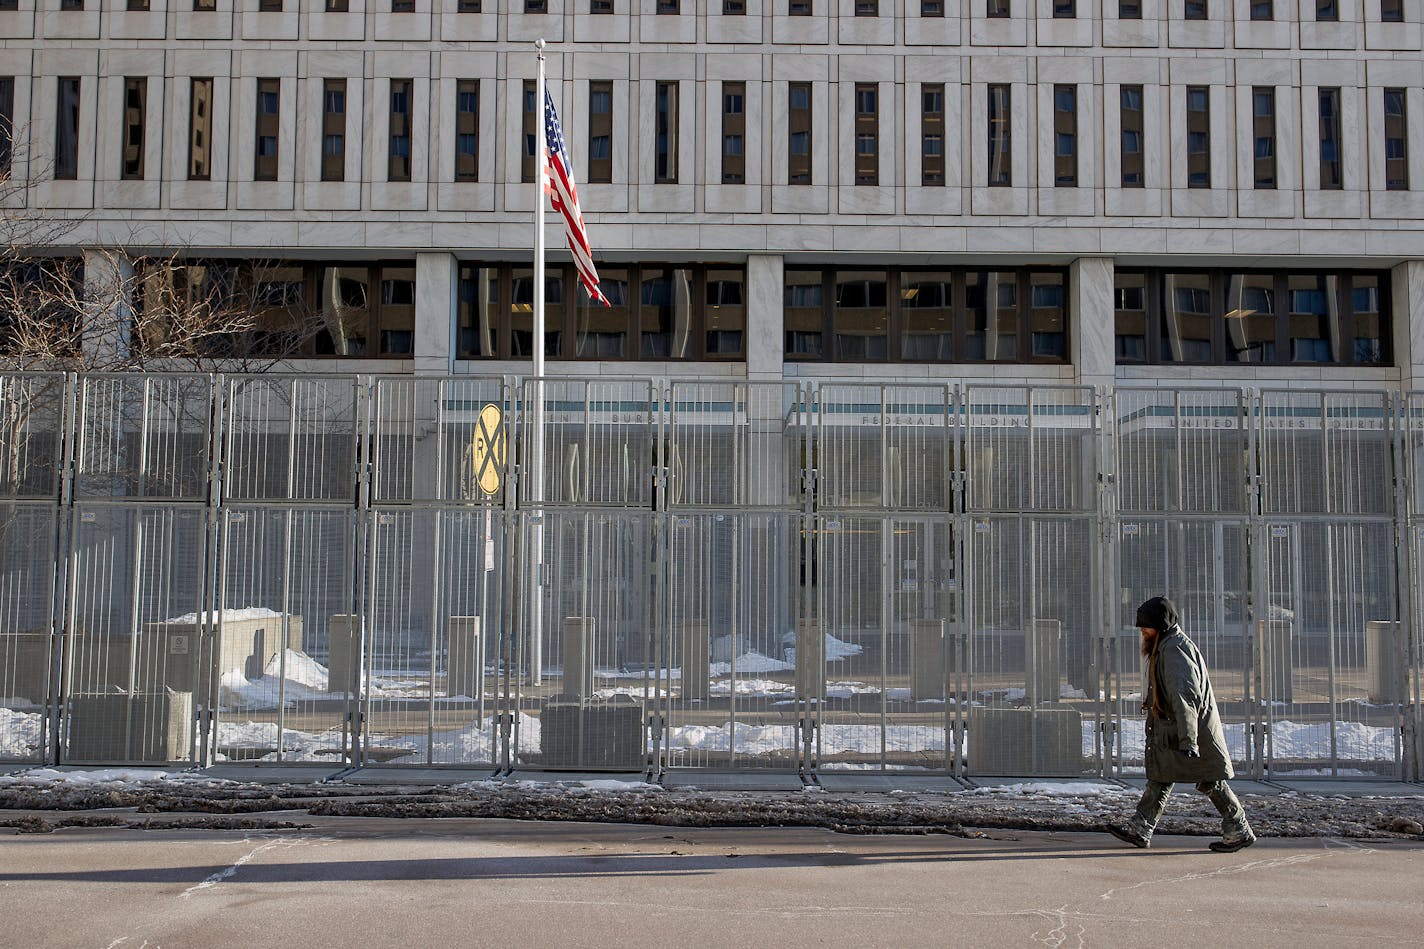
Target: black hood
1157,613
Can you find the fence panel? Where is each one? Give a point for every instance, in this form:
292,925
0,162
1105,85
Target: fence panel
885,591
1329,581
883,447
435,610
1324,648
287,611
1202,564
135,657
586,652
728,662
600,442
734,444
1412,637
144,436
33,409
27,628
1325,453
1032,691
1181,450
292,438
1030,449
440,440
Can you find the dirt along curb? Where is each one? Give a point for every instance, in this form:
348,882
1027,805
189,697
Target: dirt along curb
236,805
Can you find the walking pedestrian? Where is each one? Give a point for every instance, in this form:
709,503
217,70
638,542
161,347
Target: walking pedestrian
1184,736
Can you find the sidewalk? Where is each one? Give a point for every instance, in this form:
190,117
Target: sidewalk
853,802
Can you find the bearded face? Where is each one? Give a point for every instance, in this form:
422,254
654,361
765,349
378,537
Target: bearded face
1149,639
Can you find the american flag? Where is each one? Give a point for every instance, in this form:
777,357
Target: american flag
558,176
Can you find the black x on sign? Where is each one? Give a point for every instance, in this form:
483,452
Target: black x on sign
487,449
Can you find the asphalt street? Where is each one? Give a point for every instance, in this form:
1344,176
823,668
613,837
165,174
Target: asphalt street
386,882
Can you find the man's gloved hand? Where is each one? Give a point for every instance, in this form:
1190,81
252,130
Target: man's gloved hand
1188,753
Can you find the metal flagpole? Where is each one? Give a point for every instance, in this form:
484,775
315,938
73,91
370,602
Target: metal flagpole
536,460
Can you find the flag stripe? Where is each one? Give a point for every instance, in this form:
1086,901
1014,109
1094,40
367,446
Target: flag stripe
556,175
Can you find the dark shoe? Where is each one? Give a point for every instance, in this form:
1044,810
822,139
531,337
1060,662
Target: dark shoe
1234,844
1128,835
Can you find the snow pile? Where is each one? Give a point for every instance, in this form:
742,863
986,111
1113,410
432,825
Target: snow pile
1357,741
836,650
637,787
845,690
1068,789
305,679
1289,740
98,776
746,739
262,736
749,662
477,741
632,691
19,733
739,737
226,616
865,739
752,661
750,687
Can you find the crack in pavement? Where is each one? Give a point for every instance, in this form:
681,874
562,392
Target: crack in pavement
227,872
1254,865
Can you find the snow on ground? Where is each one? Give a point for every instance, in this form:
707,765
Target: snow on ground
750,687
632,691
1051,789
227,616
845,690
19,733
263,735
741,737
751,662
477,741
95,776
637,787
1289,740
306,679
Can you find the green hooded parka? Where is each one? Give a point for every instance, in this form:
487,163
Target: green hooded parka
1182,715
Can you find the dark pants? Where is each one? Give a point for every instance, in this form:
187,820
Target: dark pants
1154,802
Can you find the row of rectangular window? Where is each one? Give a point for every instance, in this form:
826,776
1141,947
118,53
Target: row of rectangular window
664,7
1262,317
1132,132
1326,11
681,312
944,315
657,312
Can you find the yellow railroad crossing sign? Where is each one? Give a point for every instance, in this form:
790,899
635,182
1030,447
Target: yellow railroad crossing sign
488,449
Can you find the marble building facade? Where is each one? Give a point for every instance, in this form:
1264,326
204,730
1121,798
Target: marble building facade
444,229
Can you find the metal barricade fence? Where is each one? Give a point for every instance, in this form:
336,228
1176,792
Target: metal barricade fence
288,623
1184,495
1325,578
642,575
731,537
584,643
437,589
1031,550
884,457
34,413
1408,644
134,654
